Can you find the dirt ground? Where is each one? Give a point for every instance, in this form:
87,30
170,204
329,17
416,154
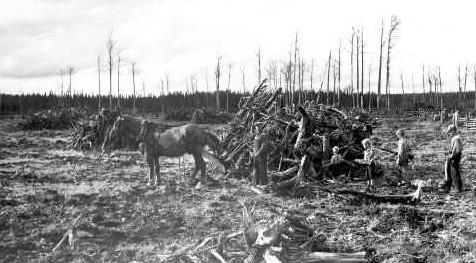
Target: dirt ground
45,186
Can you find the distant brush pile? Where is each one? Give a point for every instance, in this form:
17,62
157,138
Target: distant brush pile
51,119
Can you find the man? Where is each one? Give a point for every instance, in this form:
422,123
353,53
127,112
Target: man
455,118
453,161
402,157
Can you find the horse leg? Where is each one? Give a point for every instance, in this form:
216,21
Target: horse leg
200,165
151,170
157,171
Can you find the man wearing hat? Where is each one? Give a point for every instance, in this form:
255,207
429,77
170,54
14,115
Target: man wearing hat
453,161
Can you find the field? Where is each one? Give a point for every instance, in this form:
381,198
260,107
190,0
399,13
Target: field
46,188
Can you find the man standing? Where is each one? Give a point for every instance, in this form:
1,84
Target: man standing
402,157
455,118
453,161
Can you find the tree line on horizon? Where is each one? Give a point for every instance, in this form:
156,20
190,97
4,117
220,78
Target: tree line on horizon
294,76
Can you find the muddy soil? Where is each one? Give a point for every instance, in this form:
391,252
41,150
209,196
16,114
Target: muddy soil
45,186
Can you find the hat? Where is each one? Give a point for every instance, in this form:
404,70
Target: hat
335,149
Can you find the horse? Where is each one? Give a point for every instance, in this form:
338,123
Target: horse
124,132
175,142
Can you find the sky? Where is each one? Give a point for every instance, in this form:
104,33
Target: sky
182,39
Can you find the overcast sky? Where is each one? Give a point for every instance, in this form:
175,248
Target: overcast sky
183,38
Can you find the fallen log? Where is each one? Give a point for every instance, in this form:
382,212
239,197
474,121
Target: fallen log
323,257
412,198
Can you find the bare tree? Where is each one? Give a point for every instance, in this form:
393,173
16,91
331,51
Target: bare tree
258,56
295,62
423,83
110,46
242,69
465,78
414,94
311,73
328,76
99,81
334,76
395,22
362,61
352,68
118,78
217,82
162,97
370,94
70,71
228,88
440,82
339,78
358,73
379,83
474,76
133,70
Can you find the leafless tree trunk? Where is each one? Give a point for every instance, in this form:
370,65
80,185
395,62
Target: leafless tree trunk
312,75
459,84
474,76
358,73
423,83
362,75
99,82
258,56
206,82
162,97
441,87
465,78
295,62
370,94
217,82
379,84
228,88
70,72
393,27
328,76
414,94
133,69
334,100
242,68
118,79
403,91
339,102
111,46
352,69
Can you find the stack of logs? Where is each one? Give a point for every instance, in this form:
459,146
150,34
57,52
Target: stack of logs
294,141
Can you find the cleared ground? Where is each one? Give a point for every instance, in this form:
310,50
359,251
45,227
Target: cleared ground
45,186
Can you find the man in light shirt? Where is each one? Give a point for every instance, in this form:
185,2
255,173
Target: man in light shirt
453,161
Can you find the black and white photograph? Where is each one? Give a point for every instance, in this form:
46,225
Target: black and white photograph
237,131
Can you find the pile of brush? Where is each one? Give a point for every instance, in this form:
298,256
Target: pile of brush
310,130
51,119
90,133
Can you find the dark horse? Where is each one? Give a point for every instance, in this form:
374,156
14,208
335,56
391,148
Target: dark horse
174,142
124,133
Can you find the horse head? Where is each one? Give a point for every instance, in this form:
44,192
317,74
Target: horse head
112,135
214,143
